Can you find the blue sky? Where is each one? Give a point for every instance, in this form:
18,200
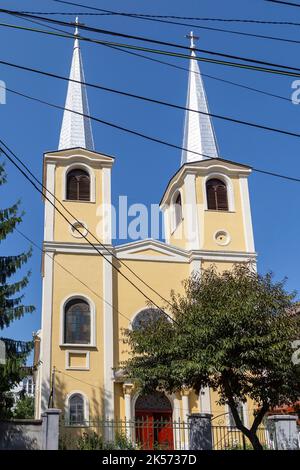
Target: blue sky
142,169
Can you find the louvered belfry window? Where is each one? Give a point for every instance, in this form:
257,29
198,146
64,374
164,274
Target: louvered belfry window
178,210
78,185
216,193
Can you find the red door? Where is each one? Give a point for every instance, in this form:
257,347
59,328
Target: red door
154,430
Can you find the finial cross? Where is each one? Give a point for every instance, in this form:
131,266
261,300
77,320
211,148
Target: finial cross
77,24
193,39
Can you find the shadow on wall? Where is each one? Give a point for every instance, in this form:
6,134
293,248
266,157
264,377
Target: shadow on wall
21,435
70,435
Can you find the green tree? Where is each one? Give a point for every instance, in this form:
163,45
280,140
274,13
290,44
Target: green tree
231,331
24,408
11,304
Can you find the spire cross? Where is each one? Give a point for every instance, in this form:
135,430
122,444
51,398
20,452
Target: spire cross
193,39
77,24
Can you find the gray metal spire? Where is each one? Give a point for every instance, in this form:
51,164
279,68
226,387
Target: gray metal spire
76,130
199,134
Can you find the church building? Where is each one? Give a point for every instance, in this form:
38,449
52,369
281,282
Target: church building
89,283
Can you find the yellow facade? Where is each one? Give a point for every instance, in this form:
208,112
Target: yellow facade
75,269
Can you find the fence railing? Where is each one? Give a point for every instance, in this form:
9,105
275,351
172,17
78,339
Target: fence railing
230,438
140,433
148,434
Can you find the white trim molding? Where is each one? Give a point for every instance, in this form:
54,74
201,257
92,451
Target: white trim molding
246,210
86,406
46,331
204,400
108,338
222,232
80,225
229,187
106,206
191,213
63,304
77,351
165,253
203,167
173,225
76,248
49,208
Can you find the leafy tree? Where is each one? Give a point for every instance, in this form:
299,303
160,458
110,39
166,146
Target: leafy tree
231,331
11,305
24,408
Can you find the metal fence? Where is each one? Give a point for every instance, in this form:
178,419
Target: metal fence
148,434
230,438
141,433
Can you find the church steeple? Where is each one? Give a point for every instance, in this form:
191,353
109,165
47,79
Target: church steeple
199,133
76,130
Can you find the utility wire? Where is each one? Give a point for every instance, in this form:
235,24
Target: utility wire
146,99
130,131
185,69
143,56
175,17
43,192
142,15
144,39
44,252
265,172
290,4
160,52
186,25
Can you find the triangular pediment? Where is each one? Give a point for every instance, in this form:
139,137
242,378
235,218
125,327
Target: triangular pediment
151,250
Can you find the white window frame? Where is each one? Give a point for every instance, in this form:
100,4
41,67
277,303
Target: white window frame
86,408
92,319
173,210
229,188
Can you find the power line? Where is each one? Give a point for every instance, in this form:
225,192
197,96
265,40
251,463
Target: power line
142,15
145,39
43,193
222,80
229,82
185,69
44,252
290,4
270,173
176,23
160,52
146,99
236,20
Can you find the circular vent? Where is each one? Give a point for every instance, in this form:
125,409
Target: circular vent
79,229
222,237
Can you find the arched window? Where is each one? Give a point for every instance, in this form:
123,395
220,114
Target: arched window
177,210
146,317
76,409
78,185
216,193
77,322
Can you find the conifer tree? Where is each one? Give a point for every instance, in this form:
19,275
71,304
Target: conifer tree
12,308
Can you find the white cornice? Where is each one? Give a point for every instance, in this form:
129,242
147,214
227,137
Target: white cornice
165,253
203,167
82,248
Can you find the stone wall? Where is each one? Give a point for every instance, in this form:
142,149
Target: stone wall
21,434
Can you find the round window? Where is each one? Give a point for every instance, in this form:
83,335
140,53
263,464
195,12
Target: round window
222,237
79,229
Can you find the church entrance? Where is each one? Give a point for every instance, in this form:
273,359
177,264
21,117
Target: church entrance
154,425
